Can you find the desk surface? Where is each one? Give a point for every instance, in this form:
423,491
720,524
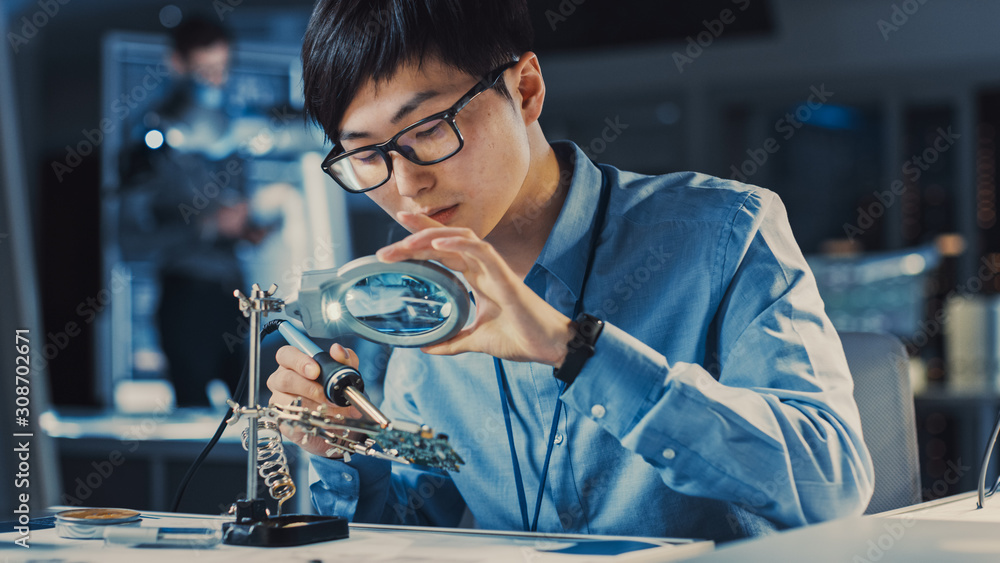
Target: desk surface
950,529
366,543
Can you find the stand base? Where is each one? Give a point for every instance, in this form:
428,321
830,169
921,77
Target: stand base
285,531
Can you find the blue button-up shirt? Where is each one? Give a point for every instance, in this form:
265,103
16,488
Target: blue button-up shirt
718,403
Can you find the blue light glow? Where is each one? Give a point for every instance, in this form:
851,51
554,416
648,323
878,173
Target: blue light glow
830,116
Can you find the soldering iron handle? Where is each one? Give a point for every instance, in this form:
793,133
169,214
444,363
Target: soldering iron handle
336,377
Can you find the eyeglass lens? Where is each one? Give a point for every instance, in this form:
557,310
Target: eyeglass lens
424,143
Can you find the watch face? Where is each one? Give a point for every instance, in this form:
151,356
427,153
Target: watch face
581,348
589,328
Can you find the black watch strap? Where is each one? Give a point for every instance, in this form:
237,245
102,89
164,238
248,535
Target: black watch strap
581,348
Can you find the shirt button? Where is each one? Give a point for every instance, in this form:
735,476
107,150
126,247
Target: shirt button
669,453
558,439
598,411
347,477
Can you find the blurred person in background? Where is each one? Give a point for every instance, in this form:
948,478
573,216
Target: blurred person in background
194,213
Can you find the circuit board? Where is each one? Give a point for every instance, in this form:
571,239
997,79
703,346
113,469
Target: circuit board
402,442
418,449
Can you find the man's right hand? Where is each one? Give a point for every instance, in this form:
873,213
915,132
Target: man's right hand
296,377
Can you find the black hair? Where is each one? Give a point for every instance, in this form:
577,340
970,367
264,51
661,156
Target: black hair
197,33
349,42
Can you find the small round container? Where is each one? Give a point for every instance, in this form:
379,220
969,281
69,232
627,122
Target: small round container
90,523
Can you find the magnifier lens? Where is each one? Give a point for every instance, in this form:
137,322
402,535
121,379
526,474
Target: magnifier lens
398,304
408,304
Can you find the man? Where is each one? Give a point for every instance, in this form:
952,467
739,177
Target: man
192,243
717,402
202,52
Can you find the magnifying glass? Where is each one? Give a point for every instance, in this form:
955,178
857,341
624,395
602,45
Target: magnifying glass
407,304
413,303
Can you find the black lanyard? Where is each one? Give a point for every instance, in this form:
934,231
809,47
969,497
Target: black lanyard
602,208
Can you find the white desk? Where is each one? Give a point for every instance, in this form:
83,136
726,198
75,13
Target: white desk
366,543
957,508
946,530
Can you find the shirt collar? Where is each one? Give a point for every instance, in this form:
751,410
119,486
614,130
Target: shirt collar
567,249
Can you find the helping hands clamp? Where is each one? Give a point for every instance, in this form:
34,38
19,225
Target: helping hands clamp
382,438
400,442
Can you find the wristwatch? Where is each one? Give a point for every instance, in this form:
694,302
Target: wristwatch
581,348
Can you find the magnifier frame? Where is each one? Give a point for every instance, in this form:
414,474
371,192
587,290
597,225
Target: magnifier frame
321,286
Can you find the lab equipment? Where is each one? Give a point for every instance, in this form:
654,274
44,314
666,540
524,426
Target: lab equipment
412,303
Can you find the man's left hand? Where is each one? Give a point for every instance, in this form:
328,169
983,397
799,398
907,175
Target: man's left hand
512,322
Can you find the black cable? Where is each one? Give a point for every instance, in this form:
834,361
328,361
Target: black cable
240,388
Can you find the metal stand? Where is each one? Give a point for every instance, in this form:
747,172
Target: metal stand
254,526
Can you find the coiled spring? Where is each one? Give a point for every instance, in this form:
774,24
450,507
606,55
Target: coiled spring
271,462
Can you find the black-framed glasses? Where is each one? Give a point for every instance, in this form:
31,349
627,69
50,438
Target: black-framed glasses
428,141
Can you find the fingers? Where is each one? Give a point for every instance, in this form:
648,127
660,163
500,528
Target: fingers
345,356
292,384
450,260
417,221
278,398
423,238
481,251
457,344
407,248
295,379
292,358
463,251
297,374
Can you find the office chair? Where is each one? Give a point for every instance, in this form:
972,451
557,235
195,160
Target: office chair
879,365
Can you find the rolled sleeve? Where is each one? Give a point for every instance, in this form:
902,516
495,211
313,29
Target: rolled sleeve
773,427
354,490
617,403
